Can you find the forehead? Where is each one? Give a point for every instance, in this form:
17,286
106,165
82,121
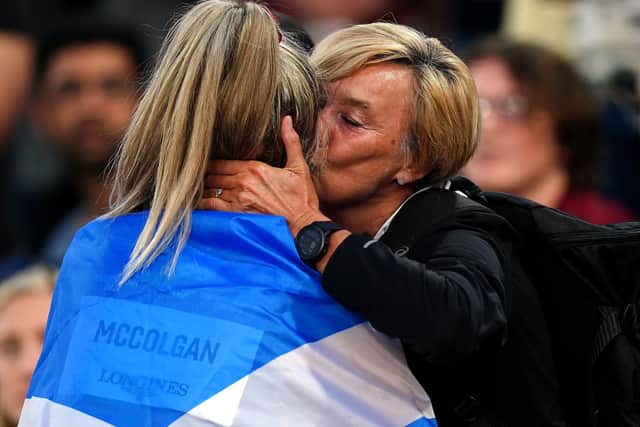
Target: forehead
375,86
492,77
90,58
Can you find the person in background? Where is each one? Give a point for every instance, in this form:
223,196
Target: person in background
85,91
541,136
16,65
24,305
621,117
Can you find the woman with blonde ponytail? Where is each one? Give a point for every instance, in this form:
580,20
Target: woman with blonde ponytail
166,315
219,91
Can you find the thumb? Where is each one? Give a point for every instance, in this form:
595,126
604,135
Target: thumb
292,144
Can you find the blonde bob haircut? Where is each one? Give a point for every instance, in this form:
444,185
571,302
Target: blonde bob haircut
446,118
37,278
225,78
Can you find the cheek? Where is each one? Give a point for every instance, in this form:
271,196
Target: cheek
115,115
6,371
502,160
509,148
354,178
120,112
64,117
348,147
9,383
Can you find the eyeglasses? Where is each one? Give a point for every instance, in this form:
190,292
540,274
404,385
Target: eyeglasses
508,107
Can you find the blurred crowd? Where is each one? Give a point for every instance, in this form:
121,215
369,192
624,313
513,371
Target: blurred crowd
559,86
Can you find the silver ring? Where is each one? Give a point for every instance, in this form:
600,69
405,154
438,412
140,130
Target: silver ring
218,192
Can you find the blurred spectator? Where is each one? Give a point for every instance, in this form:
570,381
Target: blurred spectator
16,53
321,17
35,175
24,306
149,18
457,19
540,136
86,88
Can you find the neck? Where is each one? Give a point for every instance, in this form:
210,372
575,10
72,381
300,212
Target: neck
549,189
369,215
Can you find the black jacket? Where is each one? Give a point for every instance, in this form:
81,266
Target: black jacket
442,283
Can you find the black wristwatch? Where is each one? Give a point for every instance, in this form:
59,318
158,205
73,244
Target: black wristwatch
313,240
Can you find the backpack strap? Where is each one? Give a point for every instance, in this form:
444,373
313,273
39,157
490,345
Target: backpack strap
608,330
616,321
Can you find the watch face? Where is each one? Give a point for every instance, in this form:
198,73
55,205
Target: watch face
310,242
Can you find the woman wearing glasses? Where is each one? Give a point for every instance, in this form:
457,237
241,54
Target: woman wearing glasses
540,130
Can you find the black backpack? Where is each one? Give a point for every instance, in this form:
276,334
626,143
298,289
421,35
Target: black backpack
587,278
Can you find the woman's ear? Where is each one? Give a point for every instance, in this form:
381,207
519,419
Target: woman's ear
408,174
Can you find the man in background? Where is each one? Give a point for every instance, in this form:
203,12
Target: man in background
86,89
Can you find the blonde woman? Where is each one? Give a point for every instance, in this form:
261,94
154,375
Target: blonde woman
419,261
25,297
166,316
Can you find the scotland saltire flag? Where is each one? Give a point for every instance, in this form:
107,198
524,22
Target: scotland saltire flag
242,334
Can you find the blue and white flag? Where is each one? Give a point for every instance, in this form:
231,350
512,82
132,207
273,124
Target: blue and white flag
242,334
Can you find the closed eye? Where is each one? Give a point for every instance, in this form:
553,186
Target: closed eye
350,121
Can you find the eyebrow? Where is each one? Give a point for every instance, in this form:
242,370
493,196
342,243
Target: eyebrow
354,102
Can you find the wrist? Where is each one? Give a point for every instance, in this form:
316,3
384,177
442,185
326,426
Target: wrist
305,219
314,240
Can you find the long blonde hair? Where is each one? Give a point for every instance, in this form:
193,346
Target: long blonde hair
446,117
223,81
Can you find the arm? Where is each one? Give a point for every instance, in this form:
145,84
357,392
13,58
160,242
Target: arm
445,304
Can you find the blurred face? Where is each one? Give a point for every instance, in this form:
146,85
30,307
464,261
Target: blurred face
357,10
364,122
517,147
88,97
22,325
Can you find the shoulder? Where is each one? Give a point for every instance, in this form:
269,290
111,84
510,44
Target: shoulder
437,220
102,239
453,207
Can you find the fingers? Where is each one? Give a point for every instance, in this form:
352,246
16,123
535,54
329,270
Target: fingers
292,144
214,192
215,204
226,201
220,181
227,167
